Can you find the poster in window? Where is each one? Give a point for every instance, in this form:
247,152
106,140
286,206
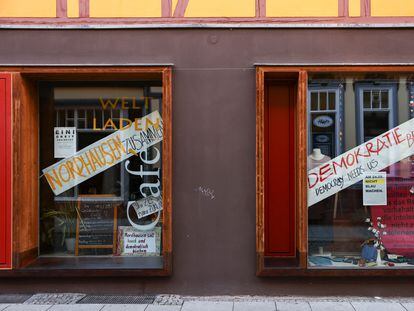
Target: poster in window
64,142
375,189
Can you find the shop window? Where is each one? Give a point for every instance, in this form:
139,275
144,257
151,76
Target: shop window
102,193
356,217
96,192
360,201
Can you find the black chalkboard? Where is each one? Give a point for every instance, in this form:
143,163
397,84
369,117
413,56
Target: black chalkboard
96,224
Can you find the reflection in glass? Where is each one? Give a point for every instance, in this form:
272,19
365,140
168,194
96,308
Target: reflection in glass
113,206
343,233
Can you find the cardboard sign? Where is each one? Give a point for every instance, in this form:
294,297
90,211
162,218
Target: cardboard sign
375,189
147,206
349,168
64,141
139,243
398,216
105,153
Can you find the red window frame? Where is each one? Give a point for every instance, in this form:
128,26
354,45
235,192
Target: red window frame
5,172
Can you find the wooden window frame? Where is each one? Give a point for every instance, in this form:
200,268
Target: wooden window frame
25,163
6,174
300,134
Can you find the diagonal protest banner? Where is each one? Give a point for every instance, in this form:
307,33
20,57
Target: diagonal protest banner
349,168
105,153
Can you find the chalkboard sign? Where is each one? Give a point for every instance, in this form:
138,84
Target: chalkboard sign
96,224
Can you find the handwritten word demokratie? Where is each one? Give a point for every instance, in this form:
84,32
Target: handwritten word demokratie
349,168
105,153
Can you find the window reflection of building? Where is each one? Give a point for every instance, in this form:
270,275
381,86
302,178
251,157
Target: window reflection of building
325,105
376,109
372,105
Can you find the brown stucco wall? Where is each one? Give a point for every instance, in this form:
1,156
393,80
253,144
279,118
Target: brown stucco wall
213,144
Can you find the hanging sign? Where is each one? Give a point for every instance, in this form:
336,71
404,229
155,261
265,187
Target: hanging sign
375,189
65,141
349,168
105,153
147,206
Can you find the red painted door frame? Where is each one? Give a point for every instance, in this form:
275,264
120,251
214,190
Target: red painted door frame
280,222
5,172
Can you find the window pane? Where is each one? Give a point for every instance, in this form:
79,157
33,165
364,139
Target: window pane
332,101
360,199
375,99
384,99
375,123
367,99
323,126
323,101
101,194
314,101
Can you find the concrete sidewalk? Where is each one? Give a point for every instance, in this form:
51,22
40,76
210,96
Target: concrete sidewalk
228,303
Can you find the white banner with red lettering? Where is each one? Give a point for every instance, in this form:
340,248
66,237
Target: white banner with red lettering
349,168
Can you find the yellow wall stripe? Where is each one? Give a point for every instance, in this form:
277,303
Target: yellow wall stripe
221,8
27,8
392,8
301,8
125,8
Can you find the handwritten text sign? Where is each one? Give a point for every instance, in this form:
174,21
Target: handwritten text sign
147,206
141,243
349,168
104,153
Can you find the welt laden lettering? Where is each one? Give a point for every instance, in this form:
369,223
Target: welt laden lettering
123,103
353,161
103,156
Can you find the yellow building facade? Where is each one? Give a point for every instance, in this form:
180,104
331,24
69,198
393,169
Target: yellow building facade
212,9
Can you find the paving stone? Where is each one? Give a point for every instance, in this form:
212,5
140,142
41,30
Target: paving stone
23,307
3,306
330,305
377,306
76,307
134,307
175,300
163,308
292,306
409,306
254,306
54,299
13,298
207,306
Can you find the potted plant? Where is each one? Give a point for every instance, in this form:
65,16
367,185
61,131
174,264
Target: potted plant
65,218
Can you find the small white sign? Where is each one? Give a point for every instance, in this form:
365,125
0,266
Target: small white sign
140,243
375,188
147,206
65,141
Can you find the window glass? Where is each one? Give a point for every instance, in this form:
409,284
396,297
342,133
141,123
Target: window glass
100,158
323,119
360,197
